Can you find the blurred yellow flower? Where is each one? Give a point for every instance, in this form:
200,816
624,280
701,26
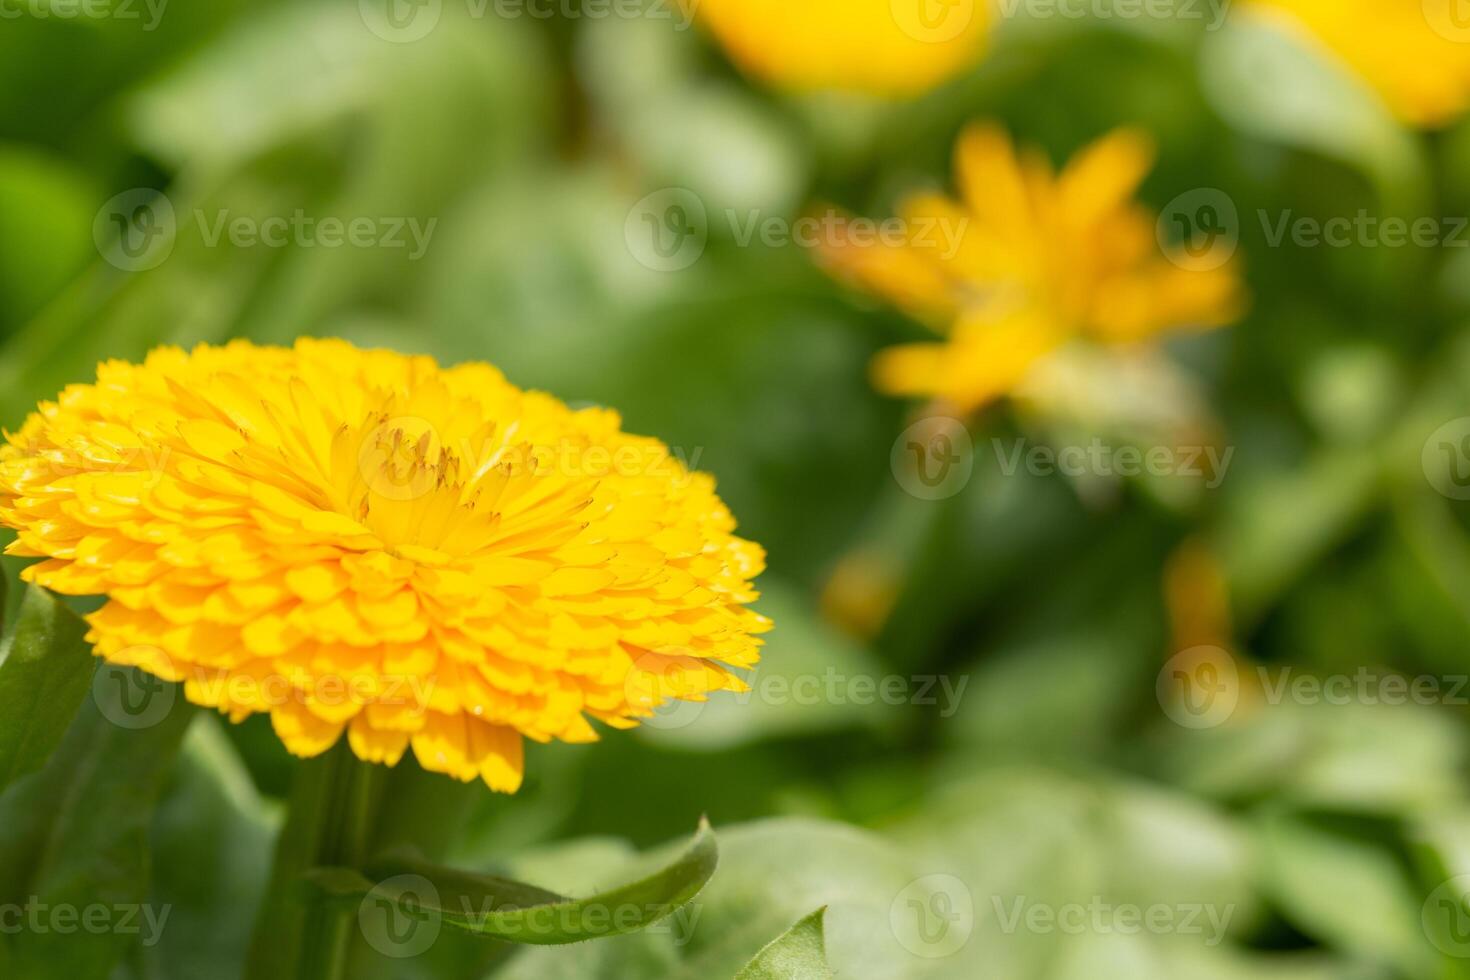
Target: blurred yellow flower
878,47
1414,53
1025,263
363,541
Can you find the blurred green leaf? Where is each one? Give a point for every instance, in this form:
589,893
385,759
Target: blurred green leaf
1269,80
1345,892
76,842
521,913
46,212
46,669
211,843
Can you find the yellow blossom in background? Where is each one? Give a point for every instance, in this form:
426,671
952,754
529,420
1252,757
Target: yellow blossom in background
877,47
362,541
1414,53
1026,262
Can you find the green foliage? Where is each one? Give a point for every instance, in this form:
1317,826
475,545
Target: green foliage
1320,836
46,669
799,953
521,913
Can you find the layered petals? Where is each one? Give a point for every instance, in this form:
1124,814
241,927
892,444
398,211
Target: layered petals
363,542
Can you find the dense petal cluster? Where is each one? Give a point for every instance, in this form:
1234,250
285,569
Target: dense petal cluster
362,541
876,47
1028,261
1414,53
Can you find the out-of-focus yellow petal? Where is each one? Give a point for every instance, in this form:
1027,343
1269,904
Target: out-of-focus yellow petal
1027,261
877,47
1414,53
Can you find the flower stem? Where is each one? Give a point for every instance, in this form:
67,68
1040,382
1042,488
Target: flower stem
331,822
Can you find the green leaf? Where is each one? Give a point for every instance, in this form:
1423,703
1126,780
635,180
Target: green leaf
1266,81
211,841
798,954
1312,869
522,913
76,840
46,668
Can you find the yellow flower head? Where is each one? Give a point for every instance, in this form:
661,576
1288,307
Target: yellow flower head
1414,53
877,47
361,540
1026,262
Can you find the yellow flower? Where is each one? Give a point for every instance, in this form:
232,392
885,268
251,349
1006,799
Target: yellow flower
362,541
878,47
1027,262
1412,52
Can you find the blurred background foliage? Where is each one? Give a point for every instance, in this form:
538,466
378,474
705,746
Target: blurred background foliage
528,142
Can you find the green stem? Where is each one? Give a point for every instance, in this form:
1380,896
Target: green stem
331,822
